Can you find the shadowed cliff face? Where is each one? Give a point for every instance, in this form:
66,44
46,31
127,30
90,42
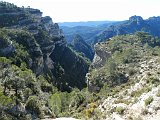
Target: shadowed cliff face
73,68
82,47
45,45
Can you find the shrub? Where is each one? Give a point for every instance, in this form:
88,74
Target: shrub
77,100
45,86
55,103
148,100
4,39
4,60
158,93
93,105
4,100
138,93
131,71
120,110
92,111
153,80
34,105
27,92
89,112
138,118
59,103
144,111
127,102
129,118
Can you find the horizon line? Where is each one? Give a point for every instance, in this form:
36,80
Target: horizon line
103,20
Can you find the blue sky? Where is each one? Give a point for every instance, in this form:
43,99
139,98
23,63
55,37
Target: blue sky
93,10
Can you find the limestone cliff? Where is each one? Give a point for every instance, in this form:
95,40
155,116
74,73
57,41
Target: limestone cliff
45,45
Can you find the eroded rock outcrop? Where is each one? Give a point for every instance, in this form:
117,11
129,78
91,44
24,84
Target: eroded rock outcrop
46,45
100,56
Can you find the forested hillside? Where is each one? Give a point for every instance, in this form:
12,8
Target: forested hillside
35,63
125,71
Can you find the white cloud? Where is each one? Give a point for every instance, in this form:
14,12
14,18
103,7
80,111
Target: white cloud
87,10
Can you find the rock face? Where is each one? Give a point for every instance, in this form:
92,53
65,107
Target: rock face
100,56
134,24
99,60
71,67
82,47
45,44
135,18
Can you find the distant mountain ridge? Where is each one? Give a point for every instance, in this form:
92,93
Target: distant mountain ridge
86,31
134,24
104,31
87,23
